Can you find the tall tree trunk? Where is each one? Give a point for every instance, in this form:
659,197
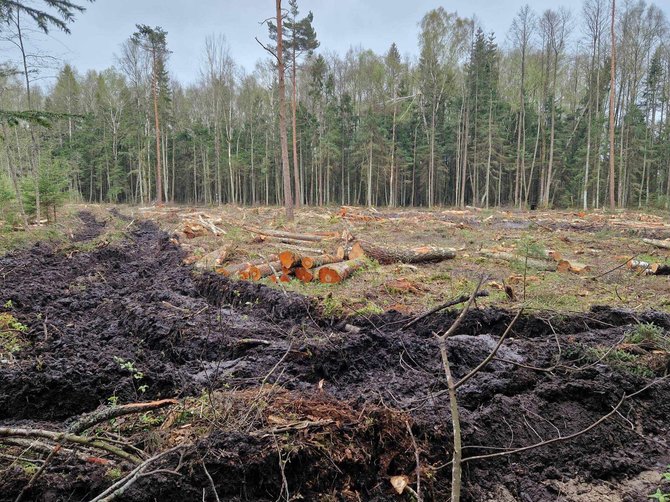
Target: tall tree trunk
296,171
612,82
286,171
159,174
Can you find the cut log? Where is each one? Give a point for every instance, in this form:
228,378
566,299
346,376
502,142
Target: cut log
304,274
317,261
647,268
337,272
300,249
284,241
531,262
213,259
257,272
572,266
343,251
550,254
414,255
664,244
289,259
231,270
286,235
193,230
356,251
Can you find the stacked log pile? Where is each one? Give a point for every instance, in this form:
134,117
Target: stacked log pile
306,264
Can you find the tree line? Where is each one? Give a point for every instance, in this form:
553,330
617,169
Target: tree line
476,119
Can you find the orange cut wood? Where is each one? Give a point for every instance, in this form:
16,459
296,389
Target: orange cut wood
317,261
337,272
303,274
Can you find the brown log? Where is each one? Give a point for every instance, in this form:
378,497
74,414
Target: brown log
257,272
665,244
531,262
337,272
414,255
213,259
232,270
304,274
283,241
317,261
286,235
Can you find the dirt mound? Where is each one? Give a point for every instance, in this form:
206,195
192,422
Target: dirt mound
279,402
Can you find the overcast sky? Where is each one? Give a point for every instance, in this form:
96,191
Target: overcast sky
340,24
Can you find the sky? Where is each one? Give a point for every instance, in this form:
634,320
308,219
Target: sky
97,34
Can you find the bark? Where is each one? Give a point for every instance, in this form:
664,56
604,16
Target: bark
286,235
309,262
286,171
611,110
257,272
106,413
414,255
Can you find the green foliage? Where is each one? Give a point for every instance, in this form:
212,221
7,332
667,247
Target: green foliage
53,187
649,334
661,495
7,200
11,334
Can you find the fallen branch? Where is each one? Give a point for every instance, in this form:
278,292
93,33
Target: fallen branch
38,473
453,400
122,485
72,438
442,306
107,413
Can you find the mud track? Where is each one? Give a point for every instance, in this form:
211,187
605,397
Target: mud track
97,320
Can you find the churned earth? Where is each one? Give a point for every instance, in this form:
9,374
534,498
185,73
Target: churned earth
277,401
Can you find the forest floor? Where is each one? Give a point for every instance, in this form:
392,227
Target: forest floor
316,392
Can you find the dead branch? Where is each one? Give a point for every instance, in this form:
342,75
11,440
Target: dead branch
122,485
418,462
211,481
442,306
72,438
90,419
453,400
39,472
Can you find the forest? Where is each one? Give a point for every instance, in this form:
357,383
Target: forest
518,119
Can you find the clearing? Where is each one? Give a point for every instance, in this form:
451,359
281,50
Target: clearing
289,391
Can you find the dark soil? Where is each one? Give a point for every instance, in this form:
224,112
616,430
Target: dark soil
90,229
129,322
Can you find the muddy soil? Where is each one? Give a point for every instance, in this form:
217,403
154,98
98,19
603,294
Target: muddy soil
129,322
90,228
